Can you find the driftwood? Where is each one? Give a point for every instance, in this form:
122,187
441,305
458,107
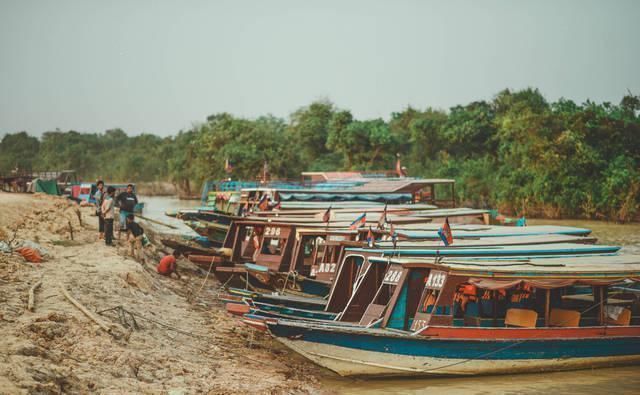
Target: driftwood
32,296
84,310
70,229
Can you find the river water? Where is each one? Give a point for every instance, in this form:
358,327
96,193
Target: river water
624,380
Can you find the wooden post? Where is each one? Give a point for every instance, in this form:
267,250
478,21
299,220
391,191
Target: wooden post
31,304
546,307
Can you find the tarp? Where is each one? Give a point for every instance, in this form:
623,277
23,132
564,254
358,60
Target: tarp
494,284
50,187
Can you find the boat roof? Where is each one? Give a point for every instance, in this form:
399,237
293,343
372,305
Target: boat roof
616,266
499,231
488,241
498,250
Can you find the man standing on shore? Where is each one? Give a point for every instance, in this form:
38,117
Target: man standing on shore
99,197
135,236
108,214
127,202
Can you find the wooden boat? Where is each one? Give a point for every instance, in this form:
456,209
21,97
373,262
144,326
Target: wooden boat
536,320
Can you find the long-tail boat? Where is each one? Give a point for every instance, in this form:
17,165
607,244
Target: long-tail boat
462,317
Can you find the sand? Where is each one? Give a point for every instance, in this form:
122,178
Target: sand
182,340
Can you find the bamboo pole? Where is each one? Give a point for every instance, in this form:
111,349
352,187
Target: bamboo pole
156,222
31,304
546,307
84,310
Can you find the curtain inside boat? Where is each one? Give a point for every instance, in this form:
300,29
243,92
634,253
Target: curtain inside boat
495,284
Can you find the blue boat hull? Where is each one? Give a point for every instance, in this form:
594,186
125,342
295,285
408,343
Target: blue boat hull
362,352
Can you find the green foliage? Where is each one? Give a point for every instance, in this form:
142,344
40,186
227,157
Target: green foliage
517,152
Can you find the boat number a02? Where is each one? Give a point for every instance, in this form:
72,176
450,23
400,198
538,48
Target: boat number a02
271,231
327,268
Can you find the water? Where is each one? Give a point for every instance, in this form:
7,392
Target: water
624,380
155,208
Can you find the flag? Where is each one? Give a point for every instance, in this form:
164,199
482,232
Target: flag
228,167
400,171
263,204
265,172
359,222
326,217
445,233
522,221
383,218
371,240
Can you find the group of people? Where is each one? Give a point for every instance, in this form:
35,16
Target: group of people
106,203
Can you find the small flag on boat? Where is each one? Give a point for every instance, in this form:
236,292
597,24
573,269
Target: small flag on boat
445,233
400,170
383,218
228,167
359,222
522,221
265,172
327,215
371,240
263,204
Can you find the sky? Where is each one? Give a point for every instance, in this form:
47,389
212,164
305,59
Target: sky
161,66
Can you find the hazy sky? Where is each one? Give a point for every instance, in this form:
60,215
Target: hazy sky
158,66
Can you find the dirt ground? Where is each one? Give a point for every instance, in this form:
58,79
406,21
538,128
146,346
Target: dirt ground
182,340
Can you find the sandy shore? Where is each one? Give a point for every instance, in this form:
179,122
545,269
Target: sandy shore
181,342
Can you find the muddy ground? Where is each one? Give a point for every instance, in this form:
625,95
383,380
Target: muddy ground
182,340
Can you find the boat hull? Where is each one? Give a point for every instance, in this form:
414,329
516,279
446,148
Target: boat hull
361,352
352,362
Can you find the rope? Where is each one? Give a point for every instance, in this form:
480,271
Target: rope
482,356
205,277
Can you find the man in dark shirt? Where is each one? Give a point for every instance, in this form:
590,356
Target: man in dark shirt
135,237
127,202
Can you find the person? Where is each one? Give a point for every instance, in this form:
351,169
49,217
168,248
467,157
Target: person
168,264
135,235
99,196
107,209
127,202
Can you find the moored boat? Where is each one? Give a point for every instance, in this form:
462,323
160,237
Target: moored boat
460,317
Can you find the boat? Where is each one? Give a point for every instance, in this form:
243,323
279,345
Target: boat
457,317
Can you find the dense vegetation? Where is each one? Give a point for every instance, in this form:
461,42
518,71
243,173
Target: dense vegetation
517,152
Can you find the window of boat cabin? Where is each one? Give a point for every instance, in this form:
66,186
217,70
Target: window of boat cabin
405,299
428,306
487,304
342,287
274,240
249,237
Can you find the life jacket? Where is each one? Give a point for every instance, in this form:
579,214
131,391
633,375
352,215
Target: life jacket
30,254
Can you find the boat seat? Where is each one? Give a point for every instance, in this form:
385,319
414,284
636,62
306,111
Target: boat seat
624,318
521,318
564,318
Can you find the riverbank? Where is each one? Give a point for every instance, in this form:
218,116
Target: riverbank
170,336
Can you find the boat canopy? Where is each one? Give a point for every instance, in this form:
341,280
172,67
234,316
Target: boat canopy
615,268
336,197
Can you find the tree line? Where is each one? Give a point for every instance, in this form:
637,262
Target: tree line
517,152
